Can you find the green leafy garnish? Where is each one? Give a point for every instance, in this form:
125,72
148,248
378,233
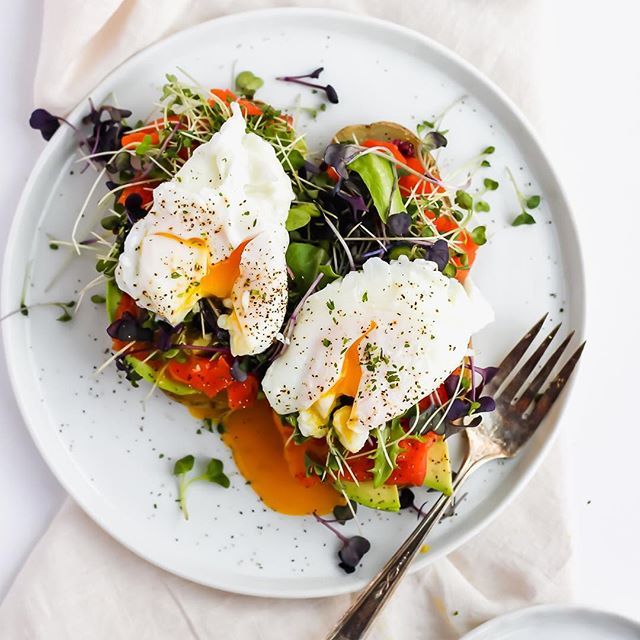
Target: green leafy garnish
491,185
464,200
305,260
380,177
523,218
525,202
300,215
478,235
98,299
214,472
533,202
247,83
482,206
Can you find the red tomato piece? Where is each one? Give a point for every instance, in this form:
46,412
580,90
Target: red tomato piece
208,376
387,145
241,395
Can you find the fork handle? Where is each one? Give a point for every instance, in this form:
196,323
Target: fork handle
364,609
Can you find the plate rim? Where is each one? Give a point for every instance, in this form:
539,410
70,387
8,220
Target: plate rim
493,625
362,21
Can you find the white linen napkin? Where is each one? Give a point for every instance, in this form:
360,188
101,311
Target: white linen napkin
79,583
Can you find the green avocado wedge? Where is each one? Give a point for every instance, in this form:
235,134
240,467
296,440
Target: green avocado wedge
384,498
438,475
151,375
112,296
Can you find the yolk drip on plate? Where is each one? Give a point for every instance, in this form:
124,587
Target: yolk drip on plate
258,450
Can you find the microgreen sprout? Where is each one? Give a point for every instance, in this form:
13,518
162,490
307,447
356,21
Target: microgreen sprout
214,472
353,547
526,203
247,83
330,92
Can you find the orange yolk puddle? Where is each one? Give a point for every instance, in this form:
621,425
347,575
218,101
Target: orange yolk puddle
221,276
258,450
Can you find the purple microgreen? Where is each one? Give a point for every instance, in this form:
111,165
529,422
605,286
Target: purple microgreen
237,371
434,140
486,404
458,408
330,92
163,334
356,201
451,385
45,122
438,252
353,548
399,224
133,206
344,512
338,156
407,498
128,329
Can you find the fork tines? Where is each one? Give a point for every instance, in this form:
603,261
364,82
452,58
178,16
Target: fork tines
520,376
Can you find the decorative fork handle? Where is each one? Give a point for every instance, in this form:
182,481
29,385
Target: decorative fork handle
355,622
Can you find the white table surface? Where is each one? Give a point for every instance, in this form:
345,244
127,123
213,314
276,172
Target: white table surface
592,85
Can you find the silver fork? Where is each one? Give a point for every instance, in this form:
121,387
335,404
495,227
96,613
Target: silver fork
501,435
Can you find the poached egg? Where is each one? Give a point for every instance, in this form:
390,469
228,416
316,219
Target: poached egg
216,229
386,336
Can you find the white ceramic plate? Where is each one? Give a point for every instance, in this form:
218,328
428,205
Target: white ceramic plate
113,452
555,622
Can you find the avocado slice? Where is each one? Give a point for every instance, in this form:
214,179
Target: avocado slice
151,375
112,296
384,498
438,475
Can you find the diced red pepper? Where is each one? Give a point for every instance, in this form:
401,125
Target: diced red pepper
247,107
152,130
241,395
205,375
386,145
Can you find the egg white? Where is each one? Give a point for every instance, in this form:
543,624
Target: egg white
416,325
232,192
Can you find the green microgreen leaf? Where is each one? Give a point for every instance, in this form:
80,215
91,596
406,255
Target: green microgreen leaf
491,185
464,200
184,465
305,260
523,218
482,206
488,150
247,83
215,473
300,215
478,235
533,202
98,299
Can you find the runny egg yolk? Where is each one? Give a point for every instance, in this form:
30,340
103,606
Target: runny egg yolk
220,276
315,419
